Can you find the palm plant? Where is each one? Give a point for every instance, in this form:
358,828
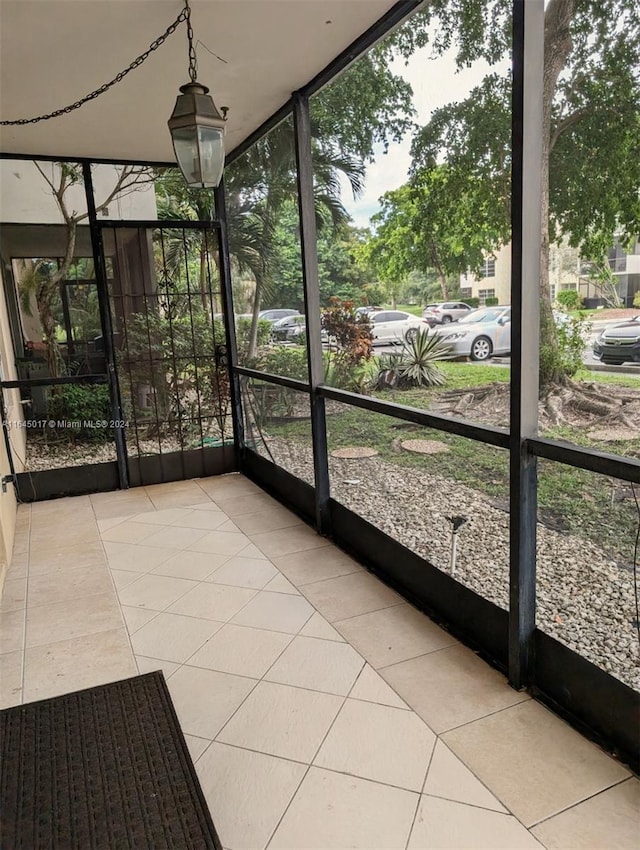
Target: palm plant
258,186
415,364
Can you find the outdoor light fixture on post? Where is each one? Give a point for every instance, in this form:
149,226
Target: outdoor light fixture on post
197,128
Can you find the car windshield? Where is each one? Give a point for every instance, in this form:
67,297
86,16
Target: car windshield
480,316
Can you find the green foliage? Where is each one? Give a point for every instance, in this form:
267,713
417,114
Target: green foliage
565,358
174,359
269,401
491,301
380,107
284,360
570,299
243,333
415,364
472,302
636,299
429,225
83,404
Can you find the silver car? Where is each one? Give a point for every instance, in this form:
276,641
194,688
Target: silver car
479,335
445,312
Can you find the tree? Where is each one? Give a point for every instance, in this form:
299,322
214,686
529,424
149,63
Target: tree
260,186
42,282
591,127
429,225
176,201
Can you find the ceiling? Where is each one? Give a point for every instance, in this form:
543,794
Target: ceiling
53,52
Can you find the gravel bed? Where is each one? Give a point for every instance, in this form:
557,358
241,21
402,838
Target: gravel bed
583,598
43,456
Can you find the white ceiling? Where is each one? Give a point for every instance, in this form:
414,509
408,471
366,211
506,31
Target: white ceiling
53,52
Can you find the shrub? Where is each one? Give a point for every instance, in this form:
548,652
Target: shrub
472,302
81,403
491,301
571,343
636,299
415,365
351,333
570,299
268,400
282,360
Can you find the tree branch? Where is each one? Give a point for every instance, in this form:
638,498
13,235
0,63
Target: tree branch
566,123
129,180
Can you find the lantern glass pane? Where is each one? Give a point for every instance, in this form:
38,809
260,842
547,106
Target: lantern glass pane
211,144
185,145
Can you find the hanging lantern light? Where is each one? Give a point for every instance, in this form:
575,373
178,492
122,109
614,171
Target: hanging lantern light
197,128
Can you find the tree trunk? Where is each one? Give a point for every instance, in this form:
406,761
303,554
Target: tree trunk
203,280
557,46
442,279
255,318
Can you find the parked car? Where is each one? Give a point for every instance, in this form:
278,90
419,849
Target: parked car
445,312
289,328
365,311
391,326
619,344
276,314
480,334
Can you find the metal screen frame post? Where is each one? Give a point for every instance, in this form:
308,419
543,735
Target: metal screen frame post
309,250
526,141
229,319
107,328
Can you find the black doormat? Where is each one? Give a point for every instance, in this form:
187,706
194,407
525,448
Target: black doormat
102,769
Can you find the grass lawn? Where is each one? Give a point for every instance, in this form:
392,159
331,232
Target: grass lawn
581,502
414,309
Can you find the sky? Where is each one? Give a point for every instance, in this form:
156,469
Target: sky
435,82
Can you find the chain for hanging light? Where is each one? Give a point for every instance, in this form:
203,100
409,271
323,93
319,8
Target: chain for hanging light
185,15
193,59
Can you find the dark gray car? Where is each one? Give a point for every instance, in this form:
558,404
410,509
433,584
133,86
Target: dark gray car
619,344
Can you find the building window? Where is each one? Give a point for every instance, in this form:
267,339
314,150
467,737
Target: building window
483,294
489,267
466,292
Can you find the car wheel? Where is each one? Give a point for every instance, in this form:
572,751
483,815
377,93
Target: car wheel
446,320
481,348
411,334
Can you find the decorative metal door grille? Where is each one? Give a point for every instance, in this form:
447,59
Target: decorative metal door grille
170,348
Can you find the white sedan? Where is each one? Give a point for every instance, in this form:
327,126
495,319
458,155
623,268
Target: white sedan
391,326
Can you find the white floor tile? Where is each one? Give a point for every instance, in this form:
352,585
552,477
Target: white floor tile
331,810
282,721
241,650
444,825
319,665
213,601
173,637
277,611
205,699
380,743
247,793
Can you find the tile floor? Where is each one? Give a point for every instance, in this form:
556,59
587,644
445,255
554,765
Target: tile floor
321,710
